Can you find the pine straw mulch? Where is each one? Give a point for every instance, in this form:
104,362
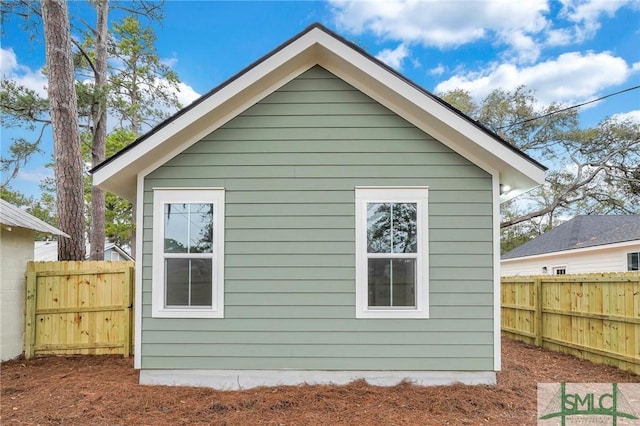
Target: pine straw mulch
104,390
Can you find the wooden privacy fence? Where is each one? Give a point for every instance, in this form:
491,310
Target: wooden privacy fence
79,308
594,316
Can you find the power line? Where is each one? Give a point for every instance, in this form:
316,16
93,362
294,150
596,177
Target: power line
568,108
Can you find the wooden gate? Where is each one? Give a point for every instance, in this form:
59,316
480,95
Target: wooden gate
79,308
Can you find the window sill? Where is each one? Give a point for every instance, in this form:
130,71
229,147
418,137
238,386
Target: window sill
186,313
393,313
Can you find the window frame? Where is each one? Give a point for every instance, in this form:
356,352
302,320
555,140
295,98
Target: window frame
161,197
392,194
555,270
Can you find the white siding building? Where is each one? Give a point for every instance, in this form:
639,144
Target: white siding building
583,244
17,231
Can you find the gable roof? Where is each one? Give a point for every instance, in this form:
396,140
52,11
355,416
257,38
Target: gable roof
581,232
11,215
318,46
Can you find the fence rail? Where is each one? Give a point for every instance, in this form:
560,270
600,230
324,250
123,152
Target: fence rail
593,316
79,308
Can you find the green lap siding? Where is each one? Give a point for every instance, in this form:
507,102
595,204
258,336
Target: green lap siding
289,166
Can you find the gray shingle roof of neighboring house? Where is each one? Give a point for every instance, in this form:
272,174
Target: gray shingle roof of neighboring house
11,215
581,232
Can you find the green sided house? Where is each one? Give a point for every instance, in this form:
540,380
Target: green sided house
317,218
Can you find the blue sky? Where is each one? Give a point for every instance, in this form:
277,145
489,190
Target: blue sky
568,51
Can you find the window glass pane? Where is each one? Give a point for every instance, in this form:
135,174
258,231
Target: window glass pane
201,285
392,228
176,224
201,232
391,282
378,227
633,261
379,282
404,227
404,282
177,282
188,228
189,282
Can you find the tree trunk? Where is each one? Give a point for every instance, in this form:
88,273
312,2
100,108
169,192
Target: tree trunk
64,119
98,146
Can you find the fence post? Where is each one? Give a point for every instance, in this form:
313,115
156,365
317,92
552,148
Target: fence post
30,313
538,312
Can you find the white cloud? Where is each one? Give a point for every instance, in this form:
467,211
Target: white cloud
570,77
394,57
446,24
439,23
8,61
170,62
35,175
439,70
523,27
523,47
11,69
560,37
631,115
586,15
186,95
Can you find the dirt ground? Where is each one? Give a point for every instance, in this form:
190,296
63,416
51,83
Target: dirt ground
104,390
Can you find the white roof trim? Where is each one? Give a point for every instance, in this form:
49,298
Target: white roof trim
316,47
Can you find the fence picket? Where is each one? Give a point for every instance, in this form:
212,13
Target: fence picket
30,315
538,311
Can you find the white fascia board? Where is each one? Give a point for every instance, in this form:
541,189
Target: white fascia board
429,115
575,251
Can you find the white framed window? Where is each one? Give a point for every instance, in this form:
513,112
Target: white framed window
188,253
392,271
559,270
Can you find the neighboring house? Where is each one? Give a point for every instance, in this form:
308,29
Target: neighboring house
48,251
17,233
317,218
581,245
